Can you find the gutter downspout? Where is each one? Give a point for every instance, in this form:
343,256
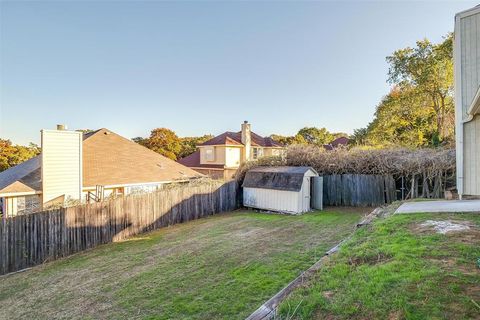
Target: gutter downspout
458,106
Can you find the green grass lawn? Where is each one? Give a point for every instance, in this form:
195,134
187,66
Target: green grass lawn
397,269
221,267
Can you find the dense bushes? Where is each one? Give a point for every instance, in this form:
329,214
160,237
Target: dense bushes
420,172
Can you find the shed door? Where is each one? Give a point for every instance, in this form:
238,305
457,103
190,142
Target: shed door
317,193
306,194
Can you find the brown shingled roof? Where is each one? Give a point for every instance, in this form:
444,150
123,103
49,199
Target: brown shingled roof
235,138
108,159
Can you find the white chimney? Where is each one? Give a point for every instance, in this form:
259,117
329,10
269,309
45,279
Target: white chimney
246,140
61,165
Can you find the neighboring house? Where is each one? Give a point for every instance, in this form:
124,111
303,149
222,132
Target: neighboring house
283,189
339,142
467,101
221,156
85,167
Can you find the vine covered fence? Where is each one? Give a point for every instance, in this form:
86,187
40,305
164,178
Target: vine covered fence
420,173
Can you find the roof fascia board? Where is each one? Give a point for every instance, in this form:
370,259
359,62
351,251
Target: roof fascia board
221,145
468,12
19,194
207,168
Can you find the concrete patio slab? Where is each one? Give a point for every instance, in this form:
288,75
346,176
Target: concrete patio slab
440,206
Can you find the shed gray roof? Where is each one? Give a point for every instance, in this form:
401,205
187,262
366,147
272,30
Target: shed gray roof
276,178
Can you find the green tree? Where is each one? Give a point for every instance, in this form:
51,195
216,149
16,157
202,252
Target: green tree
189,144
427,71
11,155
140,140
401,121
360,136
316,136
288,140
165,142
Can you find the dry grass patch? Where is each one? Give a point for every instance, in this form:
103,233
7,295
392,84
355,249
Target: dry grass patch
220,267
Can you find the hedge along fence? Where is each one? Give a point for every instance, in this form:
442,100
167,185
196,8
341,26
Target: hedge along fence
32,239
425,173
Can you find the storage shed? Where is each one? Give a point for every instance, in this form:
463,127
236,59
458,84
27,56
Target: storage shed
283,189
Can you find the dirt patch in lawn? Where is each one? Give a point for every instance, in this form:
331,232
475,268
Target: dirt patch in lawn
446,226
464,230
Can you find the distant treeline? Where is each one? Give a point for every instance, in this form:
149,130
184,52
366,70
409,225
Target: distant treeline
11,155
166,142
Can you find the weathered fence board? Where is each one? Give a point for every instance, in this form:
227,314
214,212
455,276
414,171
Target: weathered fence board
358,190
28,240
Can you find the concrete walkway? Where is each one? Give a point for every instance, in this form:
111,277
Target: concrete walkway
440,206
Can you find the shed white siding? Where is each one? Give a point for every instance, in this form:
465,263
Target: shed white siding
467,82
273,200
280,200
61,166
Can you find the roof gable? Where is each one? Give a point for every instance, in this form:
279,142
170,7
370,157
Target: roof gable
235,138
26,173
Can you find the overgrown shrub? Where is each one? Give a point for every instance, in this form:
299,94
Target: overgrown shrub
421,172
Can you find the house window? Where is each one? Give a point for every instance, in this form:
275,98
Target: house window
209,154
257,153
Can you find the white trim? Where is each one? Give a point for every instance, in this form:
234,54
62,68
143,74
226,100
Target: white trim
475,106
467,13
19,194
222,145
61,131
457,48
203,168
80,186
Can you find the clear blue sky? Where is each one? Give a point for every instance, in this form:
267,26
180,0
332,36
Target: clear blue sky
202,67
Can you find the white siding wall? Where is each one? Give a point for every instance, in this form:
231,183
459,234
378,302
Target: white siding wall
61,165
274,200
470,59
471,157
467,81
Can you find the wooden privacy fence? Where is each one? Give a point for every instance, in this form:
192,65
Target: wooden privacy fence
32,239
359,190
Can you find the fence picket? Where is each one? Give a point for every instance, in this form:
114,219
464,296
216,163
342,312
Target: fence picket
358,190
32,239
